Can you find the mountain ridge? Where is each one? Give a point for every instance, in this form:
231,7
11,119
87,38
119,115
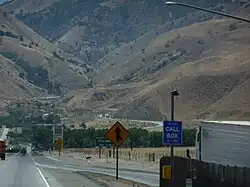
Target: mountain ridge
203,56
219,64
92,28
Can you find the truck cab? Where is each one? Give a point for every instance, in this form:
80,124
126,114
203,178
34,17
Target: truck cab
2,149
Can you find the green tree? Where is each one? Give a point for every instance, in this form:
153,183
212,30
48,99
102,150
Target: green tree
42,136
86,137
83,125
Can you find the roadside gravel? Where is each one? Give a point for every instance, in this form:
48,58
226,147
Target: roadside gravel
65,178
108,181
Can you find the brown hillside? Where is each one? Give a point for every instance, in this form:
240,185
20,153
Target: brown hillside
12,86
23,6
91,29
207,62
29,64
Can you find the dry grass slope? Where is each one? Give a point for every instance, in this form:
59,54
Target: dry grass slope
17,41
207,62
29,6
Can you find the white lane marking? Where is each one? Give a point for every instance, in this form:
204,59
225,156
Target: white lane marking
40,172
45,181
107,172
51,158
33,160
54,167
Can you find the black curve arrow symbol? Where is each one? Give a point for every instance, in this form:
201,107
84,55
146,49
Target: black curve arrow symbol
118,134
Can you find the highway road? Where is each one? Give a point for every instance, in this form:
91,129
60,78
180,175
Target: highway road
27,171
17,171
144,178
41,171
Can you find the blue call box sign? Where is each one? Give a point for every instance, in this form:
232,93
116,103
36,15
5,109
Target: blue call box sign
172,132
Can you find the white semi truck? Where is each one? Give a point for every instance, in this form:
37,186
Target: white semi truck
224,142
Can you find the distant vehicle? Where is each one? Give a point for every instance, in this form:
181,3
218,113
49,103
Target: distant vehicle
224,142
2,149
23,151
9,150
36,152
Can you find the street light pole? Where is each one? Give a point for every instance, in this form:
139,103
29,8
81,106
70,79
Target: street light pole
208,10
173,94
172,119
53,139
62,134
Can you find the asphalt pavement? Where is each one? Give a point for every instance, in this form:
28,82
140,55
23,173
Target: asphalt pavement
151,179
27,171
144,178
20,171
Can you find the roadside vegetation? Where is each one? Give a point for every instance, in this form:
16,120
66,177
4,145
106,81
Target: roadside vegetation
22,118
41,136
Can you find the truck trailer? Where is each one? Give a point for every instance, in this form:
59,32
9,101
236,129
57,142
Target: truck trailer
224,142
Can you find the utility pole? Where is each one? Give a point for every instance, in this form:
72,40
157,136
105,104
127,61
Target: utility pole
53,134
173,94
62,135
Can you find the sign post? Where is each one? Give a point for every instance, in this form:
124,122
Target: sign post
172,135
102,142
117,134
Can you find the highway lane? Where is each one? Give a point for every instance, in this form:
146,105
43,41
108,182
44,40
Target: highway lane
140,177
27,171
18,171
144,178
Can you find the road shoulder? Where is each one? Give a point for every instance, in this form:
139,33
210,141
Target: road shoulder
85,179
151,168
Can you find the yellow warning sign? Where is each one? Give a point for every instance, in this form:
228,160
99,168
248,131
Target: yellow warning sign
117,134
59,143
166,172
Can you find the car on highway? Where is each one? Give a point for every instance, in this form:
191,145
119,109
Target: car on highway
35,152
23,151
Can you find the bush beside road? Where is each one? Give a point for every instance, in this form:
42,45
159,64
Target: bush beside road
87,137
